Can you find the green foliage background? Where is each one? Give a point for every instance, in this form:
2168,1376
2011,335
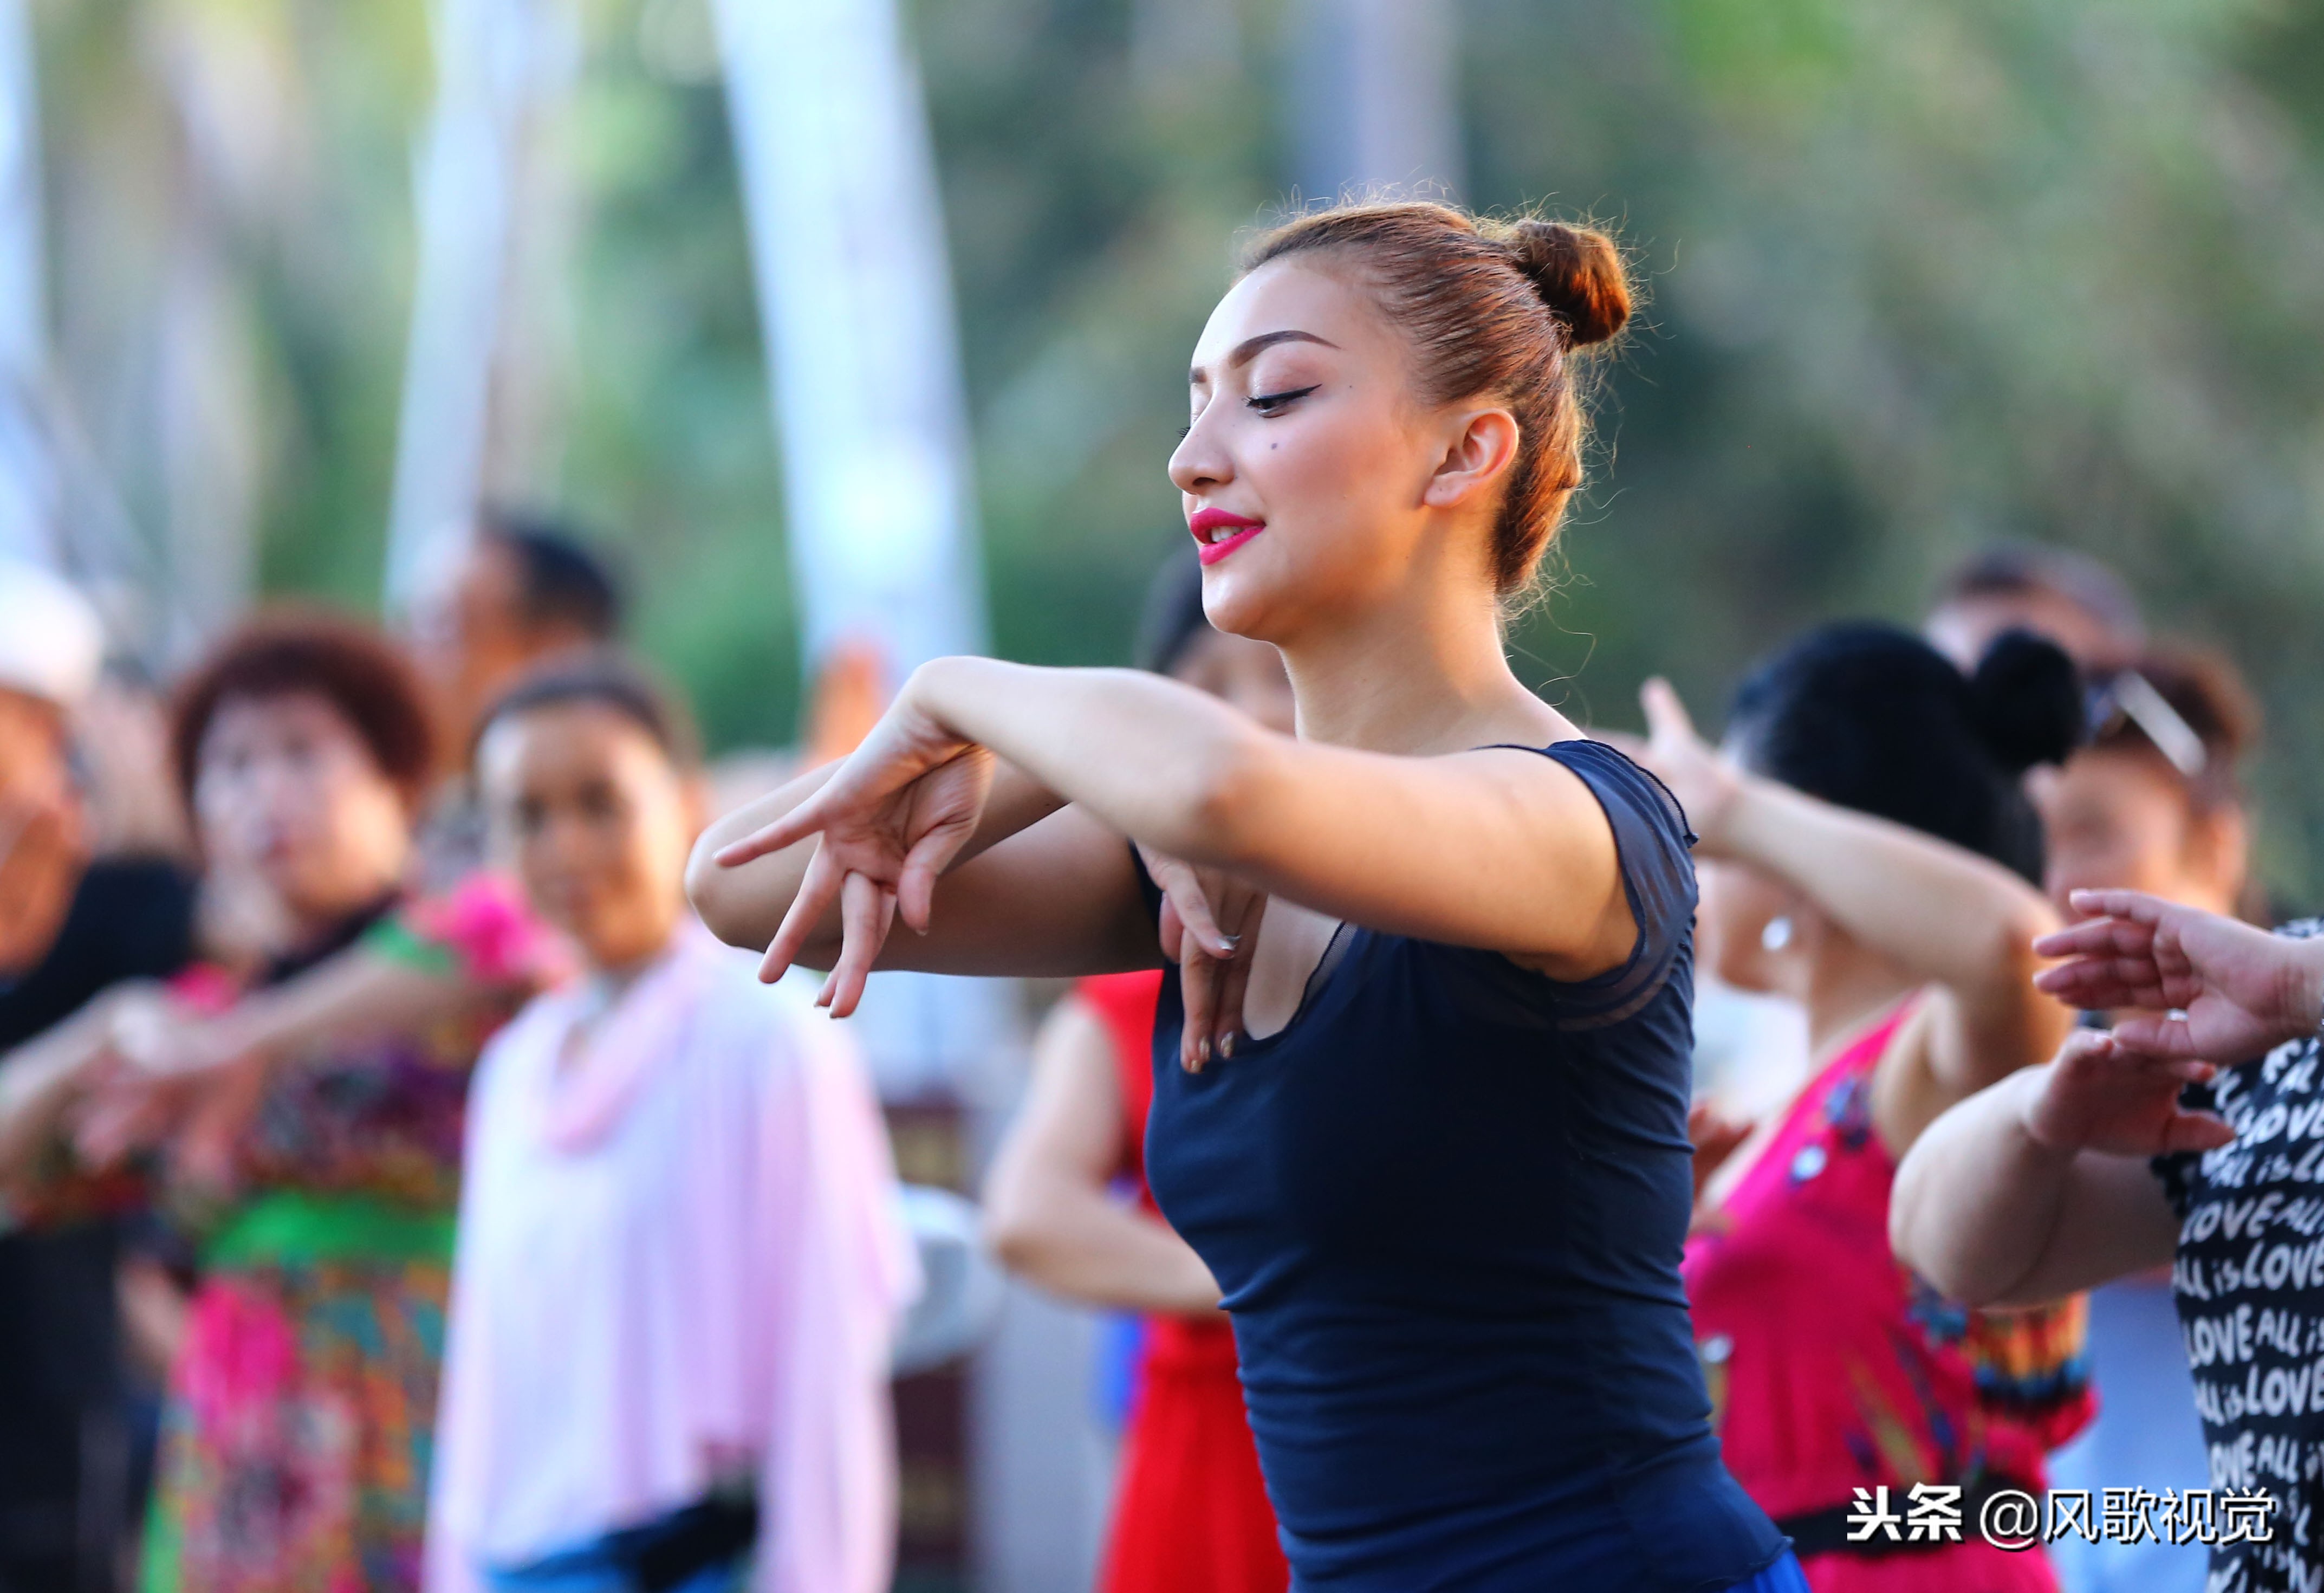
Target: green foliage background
1919,276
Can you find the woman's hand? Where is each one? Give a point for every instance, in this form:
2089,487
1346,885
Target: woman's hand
1213,961
1697,773
1715,1139
2243,991
890,820
2103,1094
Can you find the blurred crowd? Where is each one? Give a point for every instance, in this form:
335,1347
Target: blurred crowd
292,1303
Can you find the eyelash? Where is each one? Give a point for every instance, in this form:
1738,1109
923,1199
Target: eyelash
1263,402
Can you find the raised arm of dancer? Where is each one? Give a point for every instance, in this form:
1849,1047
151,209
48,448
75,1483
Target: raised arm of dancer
1943,914
1494,847
1047,1209
2039,1186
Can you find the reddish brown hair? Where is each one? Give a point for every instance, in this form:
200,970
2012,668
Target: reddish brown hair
2208,692
345,662
1494,308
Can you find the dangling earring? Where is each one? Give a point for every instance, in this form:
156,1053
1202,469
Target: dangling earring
1777,934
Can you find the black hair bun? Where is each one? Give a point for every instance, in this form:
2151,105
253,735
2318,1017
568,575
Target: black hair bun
1578,273
2025,701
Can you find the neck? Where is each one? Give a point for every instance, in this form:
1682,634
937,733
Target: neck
1848,988
1419,675
617,973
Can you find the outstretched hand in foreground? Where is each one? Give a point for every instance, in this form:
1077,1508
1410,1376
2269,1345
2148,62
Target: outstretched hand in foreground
888,823
2204,987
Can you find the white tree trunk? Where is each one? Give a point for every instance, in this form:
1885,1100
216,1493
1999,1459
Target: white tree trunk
494,61
1375,99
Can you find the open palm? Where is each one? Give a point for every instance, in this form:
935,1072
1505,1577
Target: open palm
2241,989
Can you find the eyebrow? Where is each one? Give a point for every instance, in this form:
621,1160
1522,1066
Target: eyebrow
1244,352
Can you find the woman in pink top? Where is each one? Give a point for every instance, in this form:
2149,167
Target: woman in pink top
679,1262
1869,853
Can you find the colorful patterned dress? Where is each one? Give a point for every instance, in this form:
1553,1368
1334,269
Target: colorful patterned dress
297,1429
1834,1369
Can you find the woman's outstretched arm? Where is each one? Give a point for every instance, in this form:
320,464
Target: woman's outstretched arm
1495,847
1943,914
2039,1186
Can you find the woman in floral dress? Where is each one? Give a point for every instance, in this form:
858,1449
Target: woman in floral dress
317,1179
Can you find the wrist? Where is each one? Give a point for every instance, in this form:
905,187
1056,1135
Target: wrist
1723,827
2037,1127
2307,996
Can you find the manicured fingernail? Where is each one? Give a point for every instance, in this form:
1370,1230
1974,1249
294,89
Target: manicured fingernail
1203,1049
1227,1044
1230,942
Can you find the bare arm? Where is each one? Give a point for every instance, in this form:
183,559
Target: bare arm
1047,1209
1944,915
2039,1186
41,1079
1495,849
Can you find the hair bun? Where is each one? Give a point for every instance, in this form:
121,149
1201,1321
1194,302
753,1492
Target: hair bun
2025,701
1578,273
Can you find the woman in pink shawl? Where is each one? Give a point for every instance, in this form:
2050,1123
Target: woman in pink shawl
679,1263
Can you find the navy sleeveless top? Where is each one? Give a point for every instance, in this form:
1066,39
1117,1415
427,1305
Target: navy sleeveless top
1447,1203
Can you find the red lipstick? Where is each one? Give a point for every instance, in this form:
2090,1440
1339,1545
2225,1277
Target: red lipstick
1208,524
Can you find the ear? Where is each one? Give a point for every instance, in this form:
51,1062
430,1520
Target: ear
1476,456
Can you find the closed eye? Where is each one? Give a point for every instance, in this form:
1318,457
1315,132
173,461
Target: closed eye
1273,403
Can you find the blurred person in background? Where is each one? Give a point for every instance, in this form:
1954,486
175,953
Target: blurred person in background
2072,598
680,1266
2183,1136
1190,1508
524,590
72,922
1868,850
523,594
2155,803
1466,999
319,1178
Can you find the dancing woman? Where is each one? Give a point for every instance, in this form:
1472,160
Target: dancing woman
1440,1166
1870,853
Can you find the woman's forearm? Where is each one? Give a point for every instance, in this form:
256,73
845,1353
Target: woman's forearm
1155,760
39,1079
1079,1242
1945,914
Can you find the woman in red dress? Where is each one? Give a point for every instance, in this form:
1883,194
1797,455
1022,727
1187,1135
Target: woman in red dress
1190,1511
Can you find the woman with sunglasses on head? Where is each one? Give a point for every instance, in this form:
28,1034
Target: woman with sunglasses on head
1435,1150
2154,803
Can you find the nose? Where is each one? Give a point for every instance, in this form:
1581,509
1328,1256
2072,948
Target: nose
1199,464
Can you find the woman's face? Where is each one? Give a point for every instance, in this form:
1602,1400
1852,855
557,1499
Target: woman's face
1313,480
287,794
1245,674
2119,819
595,822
